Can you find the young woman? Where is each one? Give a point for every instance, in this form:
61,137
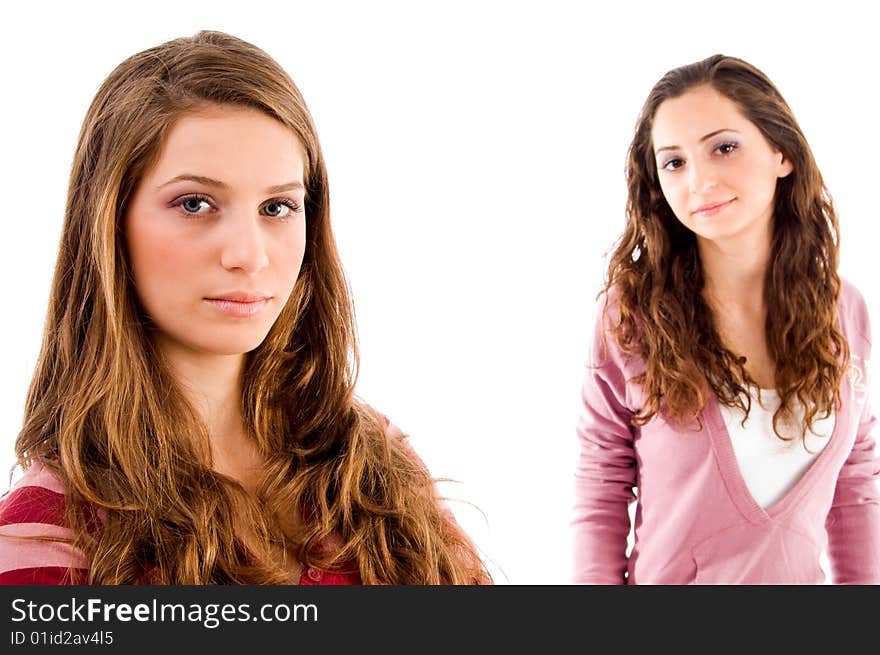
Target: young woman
192,416
727,381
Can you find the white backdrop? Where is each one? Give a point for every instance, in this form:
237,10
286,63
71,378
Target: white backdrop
476,154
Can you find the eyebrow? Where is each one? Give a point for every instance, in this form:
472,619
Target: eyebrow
209,181
707,136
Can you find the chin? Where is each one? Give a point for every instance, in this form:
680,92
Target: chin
228,345
720,232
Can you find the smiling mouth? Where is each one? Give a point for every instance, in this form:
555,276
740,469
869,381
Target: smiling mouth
713,208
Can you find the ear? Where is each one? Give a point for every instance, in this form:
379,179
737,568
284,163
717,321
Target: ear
785,166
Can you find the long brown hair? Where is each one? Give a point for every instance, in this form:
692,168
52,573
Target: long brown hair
655,273
105,413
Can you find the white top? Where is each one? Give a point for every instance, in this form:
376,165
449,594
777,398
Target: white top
769,465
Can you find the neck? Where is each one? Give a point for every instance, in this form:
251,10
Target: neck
734,269
212,384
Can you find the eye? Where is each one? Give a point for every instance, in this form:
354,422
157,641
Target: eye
192,204
282,208
727,147
672,164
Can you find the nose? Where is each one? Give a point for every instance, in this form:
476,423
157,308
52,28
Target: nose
701,176
243,245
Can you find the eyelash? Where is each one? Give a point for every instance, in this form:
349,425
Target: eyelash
733,145
294,207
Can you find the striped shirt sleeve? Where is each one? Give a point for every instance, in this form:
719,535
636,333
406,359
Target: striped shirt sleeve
35,546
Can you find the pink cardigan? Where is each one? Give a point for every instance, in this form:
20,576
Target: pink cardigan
695,521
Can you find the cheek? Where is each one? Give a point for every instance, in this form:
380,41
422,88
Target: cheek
676,194
289,253
759,178
159,262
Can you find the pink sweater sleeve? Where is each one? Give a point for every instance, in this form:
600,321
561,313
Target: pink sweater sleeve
853,523
606,471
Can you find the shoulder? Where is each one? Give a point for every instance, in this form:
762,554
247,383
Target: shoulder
854,310
608,306
614,310
396,445
398,438
388,430
606,350
391,430
855,321
37,497
35,545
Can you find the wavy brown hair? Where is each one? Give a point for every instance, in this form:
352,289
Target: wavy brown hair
655,273
104,411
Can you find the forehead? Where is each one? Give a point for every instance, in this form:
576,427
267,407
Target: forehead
684,120
232,144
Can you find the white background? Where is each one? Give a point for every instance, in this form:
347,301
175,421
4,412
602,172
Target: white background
476,155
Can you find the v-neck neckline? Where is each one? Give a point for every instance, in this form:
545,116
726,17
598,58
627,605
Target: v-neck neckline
731,473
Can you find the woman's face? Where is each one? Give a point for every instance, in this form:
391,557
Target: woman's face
216,230
717,171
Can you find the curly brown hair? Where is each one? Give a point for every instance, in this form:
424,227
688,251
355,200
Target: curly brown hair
656,277
105,413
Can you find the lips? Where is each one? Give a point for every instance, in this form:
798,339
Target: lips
241,296
713,207
239,304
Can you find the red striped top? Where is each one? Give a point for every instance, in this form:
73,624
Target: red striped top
34,507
